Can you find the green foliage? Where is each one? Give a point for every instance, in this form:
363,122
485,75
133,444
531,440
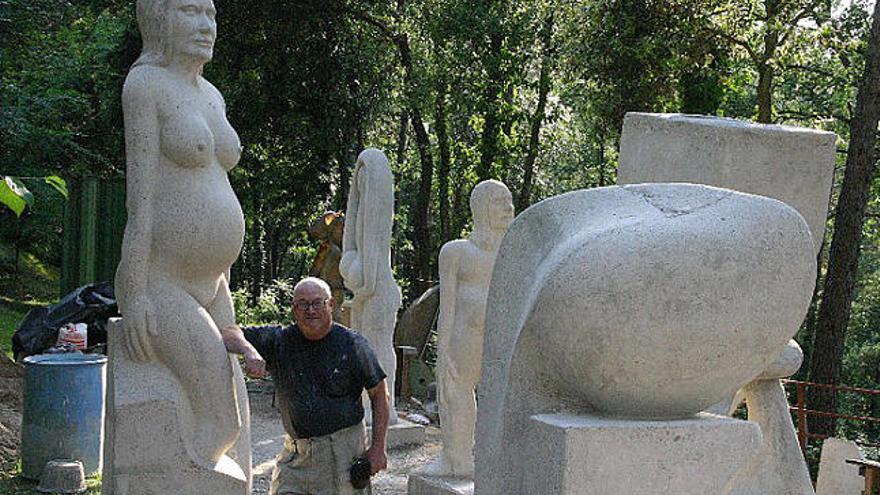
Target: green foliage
273,305
15,195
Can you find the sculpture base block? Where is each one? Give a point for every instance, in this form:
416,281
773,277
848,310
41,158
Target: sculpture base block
401,434
423,484
144,451
583,455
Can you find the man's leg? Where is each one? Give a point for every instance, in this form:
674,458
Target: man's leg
349,444
295,468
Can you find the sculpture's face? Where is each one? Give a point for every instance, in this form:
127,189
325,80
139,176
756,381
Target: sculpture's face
313,310
501,210
193,28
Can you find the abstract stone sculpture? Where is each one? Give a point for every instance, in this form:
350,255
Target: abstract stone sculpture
644,302
465,271
791,164
177,406
366,260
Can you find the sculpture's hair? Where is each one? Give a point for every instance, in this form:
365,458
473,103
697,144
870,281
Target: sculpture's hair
315,281
155,27
484,194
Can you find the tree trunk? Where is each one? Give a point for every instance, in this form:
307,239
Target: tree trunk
843,260
491,95
423,204
401,137
765,88
422,233
443,166
525,193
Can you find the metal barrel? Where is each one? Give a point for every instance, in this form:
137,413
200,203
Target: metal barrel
63,411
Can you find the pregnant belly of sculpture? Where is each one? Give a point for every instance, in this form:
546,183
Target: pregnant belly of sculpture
198,226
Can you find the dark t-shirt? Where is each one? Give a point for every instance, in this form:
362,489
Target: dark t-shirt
319,383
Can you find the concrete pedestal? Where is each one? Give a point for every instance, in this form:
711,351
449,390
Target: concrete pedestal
582,455
401,434
423,484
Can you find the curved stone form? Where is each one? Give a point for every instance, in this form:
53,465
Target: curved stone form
645,301
778,466
366,260
185,229
465,271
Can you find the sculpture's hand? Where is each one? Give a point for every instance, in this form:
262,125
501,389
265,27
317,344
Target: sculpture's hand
254,364
378,460
140,326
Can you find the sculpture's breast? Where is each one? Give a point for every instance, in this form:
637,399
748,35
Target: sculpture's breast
674,298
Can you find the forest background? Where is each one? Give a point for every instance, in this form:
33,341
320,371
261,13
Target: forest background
532,93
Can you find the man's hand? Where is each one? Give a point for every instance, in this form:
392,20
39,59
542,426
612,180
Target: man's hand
254,364
378,459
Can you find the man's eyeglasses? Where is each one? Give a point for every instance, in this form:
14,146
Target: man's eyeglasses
306,305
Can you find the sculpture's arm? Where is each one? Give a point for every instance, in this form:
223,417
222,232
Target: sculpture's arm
448,268
142,161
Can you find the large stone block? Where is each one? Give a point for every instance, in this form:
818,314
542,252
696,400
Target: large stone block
145,451
402,433
582,455
426,484
791,164
836,477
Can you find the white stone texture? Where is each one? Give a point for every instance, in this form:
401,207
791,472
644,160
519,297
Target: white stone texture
794,165
836,477
426,484
366,261
146,448
401,434
465,272
631,302
185,229
791,164
575,455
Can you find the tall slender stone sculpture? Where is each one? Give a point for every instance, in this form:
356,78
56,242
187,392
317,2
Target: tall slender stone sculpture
178,419
366,260
465,271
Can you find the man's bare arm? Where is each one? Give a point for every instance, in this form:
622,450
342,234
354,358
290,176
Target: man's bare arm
233,339
379,401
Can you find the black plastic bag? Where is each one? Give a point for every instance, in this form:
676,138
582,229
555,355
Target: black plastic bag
91,304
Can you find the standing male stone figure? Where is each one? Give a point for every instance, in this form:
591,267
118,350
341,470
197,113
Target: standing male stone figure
465,272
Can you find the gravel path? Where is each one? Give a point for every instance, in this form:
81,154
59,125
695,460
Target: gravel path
267,437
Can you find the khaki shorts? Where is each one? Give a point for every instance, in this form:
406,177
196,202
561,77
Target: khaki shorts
319,465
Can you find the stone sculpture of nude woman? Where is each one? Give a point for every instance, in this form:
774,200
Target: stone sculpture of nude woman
185,225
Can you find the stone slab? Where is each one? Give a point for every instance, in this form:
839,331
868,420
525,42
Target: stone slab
584,455
144,450
791,164
422,484
836,477
401,434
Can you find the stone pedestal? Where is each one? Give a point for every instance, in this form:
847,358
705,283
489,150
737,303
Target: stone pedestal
401,434
574,455
423,484
145,450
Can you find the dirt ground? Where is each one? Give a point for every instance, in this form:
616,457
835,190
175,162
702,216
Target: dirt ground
268,438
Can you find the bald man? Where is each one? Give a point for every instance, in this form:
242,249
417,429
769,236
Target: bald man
320,369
